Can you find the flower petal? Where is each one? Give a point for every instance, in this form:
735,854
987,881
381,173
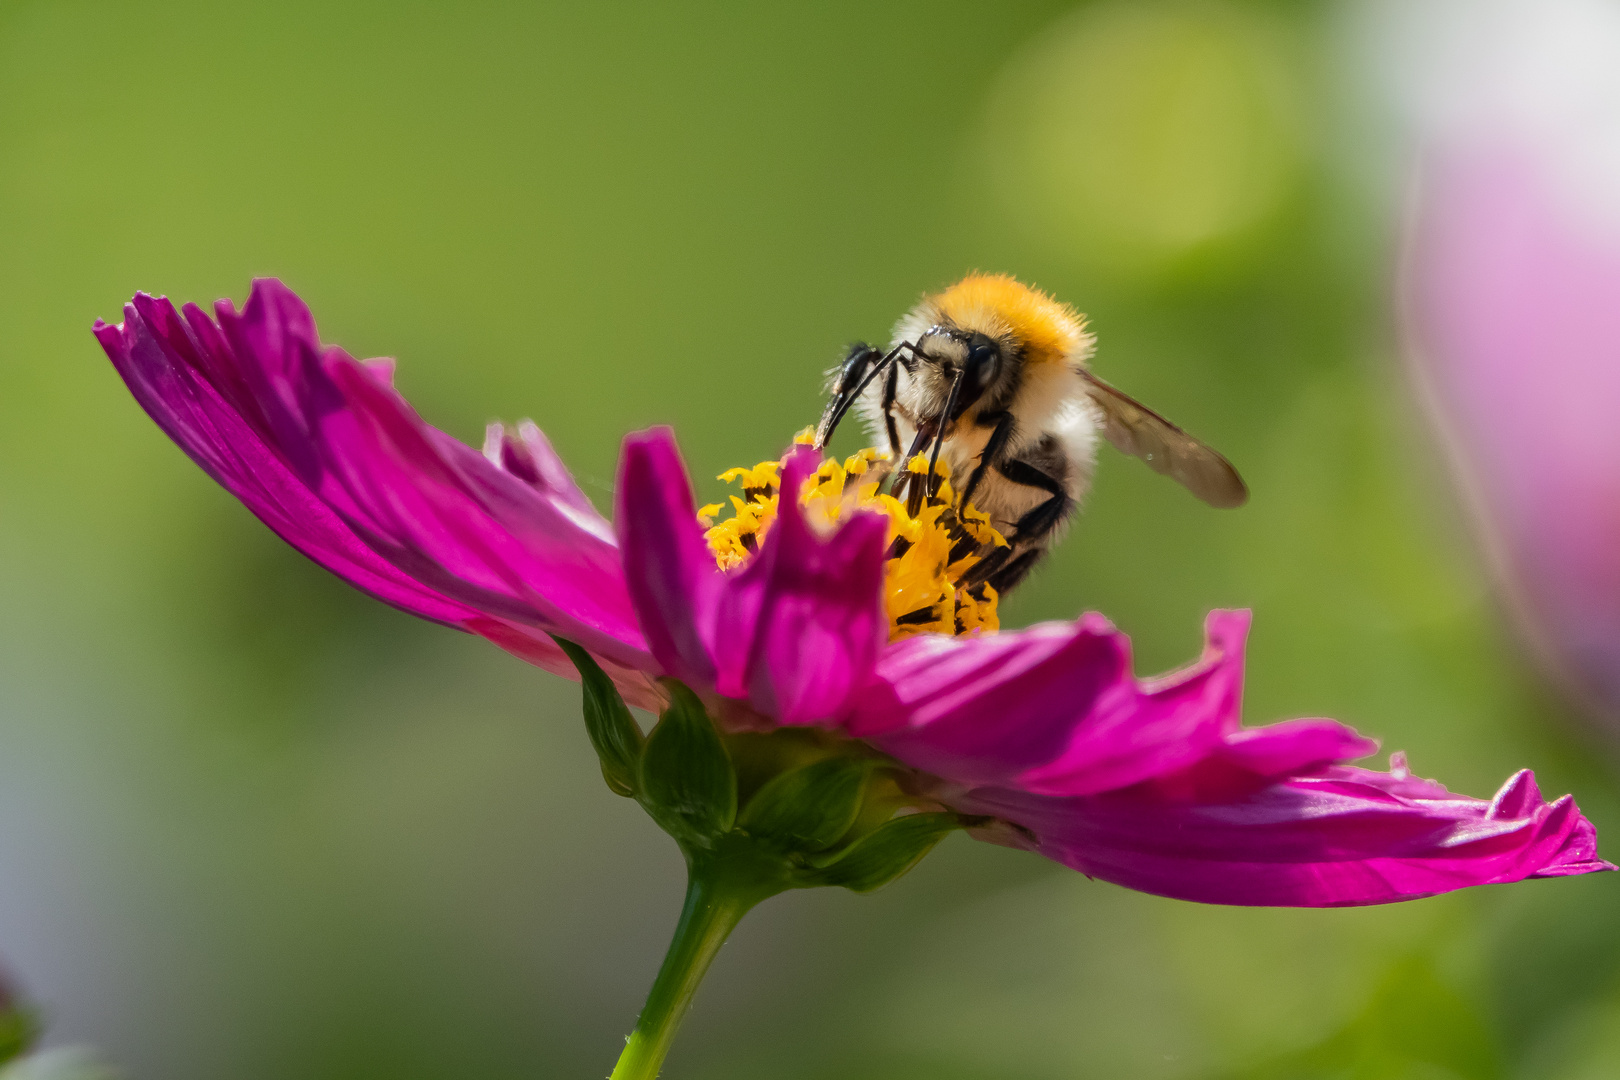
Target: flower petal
527,455
1293,746
322,449
1166,724
451,518
984,708
672,580
819,621
1340,836
152,357
1513,316
1053,709
793,632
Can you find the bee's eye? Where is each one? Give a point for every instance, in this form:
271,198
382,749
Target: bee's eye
984,361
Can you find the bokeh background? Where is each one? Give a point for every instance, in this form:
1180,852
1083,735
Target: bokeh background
255,825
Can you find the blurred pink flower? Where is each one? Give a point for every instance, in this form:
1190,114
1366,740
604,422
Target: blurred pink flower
1513,302
1043,734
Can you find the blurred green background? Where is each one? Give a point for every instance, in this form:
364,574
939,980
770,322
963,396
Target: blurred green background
255,825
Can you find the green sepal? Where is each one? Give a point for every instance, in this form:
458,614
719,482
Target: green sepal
614,733
887,852
686,780
810,808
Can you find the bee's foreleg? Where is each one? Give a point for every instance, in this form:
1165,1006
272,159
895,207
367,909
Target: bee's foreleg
891,386
993,447
852,377
860,367
913,484
946,415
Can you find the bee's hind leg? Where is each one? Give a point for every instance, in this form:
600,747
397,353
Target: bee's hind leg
1006,567
1048,515
1015,570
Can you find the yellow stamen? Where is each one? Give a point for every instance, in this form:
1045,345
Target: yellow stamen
928,554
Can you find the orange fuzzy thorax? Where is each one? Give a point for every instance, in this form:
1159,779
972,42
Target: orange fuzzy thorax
996,304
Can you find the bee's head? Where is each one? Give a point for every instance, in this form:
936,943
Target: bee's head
997,329
949,349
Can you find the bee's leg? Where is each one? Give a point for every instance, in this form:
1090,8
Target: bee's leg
852,375
945,416
1005,567
986,568
908,480
992,450
859,369
1045,517
891,386
1015,570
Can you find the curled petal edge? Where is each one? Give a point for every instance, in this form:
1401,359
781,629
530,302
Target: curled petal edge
1340,836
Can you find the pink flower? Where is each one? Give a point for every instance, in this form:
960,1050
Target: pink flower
1044,735
1514,303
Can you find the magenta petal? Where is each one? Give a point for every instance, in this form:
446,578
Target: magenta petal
324,451
1341,836
818,620
527,455
192,412
982,709
1294,746
1053,709
1163,725
672,579
793,633
468,527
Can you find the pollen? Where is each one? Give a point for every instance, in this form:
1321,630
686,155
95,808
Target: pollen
928,555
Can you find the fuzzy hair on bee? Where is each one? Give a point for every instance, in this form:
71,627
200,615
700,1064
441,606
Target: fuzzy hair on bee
993,377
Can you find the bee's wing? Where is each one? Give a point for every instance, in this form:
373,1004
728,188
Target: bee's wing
1139,431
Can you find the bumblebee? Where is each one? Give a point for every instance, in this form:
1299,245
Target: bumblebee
992,376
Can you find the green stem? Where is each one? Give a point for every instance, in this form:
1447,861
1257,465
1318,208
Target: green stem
719,892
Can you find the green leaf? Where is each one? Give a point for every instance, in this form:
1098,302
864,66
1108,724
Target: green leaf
687,782
809,808
887,852
613,731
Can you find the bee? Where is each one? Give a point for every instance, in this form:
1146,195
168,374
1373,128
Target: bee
992,375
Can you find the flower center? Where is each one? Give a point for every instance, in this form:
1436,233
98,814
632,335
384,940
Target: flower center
927,584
